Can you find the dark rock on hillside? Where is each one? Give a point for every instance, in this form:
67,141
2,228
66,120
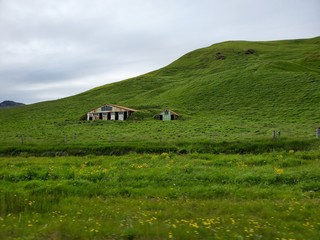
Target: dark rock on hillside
219,56
10,104
249,51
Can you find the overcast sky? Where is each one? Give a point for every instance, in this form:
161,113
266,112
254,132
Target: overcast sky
51,49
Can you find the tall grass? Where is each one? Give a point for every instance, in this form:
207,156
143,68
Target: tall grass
152,196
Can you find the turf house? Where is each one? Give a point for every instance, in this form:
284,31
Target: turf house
167,115
110,112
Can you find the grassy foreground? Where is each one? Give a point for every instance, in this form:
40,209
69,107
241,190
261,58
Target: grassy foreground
161,196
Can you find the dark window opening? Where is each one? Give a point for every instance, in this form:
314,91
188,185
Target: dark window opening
106,108
172,117
100,116
125,115
117,116
161,117
109,116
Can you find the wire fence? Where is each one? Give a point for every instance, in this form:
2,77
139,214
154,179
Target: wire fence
76,138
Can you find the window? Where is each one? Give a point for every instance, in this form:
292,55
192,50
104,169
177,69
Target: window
106,108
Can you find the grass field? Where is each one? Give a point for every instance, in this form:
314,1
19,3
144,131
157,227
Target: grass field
216,173
161,196
203,134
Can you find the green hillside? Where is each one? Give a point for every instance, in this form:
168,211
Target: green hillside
231,91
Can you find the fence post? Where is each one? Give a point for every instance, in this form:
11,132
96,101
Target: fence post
274,134
318,133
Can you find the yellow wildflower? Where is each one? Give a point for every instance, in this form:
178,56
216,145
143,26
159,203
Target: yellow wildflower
278,171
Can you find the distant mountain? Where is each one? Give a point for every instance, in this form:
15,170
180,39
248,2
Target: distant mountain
10,104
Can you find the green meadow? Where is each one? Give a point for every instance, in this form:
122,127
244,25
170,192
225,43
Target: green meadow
161,196
242,161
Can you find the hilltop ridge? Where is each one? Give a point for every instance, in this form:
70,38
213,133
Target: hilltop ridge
228,76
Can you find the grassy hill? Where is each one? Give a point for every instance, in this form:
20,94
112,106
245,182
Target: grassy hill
231,91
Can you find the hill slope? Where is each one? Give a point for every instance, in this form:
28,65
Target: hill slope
232,88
